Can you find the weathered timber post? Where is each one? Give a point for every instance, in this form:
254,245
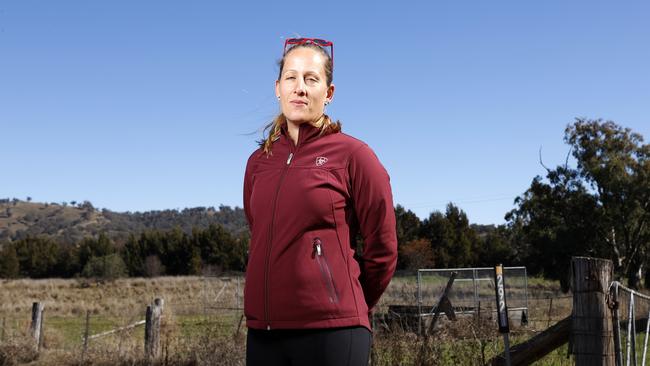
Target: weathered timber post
152,329
86,335
591,325
443,304
36,327
4,324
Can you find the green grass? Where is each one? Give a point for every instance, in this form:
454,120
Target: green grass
67,332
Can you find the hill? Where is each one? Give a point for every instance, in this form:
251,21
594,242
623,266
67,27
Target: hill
72,222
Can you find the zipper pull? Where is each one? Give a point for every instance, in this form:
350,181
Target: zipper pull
317,249
289,159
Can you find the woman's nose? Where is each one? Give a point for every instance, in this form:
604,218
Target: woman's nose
300,87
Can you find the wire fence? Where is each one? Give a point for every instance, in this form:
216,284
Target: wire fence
81,318
632,311
473,287
200,309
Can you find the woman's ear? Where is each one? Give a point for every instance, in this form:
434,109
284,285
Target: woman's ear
330,93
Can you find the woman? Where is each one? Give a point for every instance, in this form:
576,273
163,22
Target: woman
308,190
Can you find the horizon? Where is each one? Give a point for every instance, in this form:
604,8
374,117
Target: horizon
78,204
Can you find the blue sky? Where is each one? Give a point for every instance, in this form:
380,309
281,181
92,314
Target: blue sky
140,105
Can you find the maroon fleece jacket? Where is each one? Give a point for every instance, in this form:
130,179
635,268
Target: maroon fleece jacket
305,204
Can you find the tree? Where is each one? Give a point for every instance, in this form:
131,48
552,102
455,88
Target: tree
9,265
453,242
616,163
91,248
554,221
495,247
177,252
408,225
153,266
408,229
68,261
416,254
219,248
601,207
37,256
134,254
107,267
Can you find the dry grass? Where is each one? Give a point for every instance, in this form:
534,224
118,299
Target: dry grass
114,298
25,214
200,325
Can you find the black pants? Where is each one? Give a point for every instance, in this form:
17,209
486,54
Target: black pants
349,346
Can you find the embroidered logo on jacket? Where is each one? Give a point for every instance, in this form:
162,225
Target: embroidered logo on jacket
321,160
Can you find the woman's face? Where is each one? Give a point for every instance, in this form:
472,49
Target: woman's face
302,87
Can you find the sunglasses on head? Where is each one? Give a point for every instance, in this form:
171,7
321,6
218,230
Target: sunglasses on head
317,41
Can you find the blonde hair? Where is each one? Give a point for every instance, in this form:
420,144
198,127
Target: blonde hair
324,122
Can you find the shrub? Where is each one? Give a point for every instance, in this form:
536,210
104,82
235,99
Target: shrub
106,267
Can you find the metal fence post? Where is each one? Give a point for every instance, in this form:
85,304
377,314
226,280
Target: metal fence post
419,280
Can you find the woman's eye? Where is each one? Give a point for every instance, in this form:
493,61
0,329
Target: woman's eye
289,78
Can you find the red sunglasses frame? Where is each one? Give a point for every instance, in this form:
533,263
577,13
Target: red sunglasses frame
317,41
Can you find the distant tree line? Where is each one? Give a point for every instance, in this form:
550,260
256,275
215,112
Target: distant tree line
445,240
151,253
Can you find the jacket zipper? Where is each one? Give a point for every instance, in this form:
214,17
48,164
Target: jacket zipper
325,271
268,246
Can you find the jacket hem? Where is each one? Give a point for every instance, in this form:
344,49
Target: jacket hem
309,324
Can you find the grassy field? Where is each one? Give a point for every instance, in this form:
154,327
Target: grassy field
201,324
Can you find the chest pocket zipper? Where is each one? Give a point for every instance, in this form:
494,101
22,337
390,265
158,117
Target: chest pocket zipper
326,273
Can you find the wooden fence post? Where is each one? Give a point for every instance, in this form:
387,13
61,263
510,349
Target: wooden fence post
591,325
152,329
37,324
86,335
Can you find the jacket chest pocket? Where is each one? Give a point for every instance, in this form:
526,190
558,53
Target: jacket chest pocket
318,254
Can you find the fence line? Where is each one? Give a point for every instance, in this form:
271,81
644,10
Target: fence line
220,295
117,330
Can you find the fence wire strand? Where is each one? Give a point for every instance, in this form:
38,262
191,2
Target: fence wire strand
634,300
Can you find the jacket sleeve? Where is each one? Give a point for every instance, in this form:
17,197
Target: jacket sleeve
373,205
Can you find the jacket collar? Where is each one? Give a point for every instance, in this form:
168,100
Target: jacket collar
307,133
